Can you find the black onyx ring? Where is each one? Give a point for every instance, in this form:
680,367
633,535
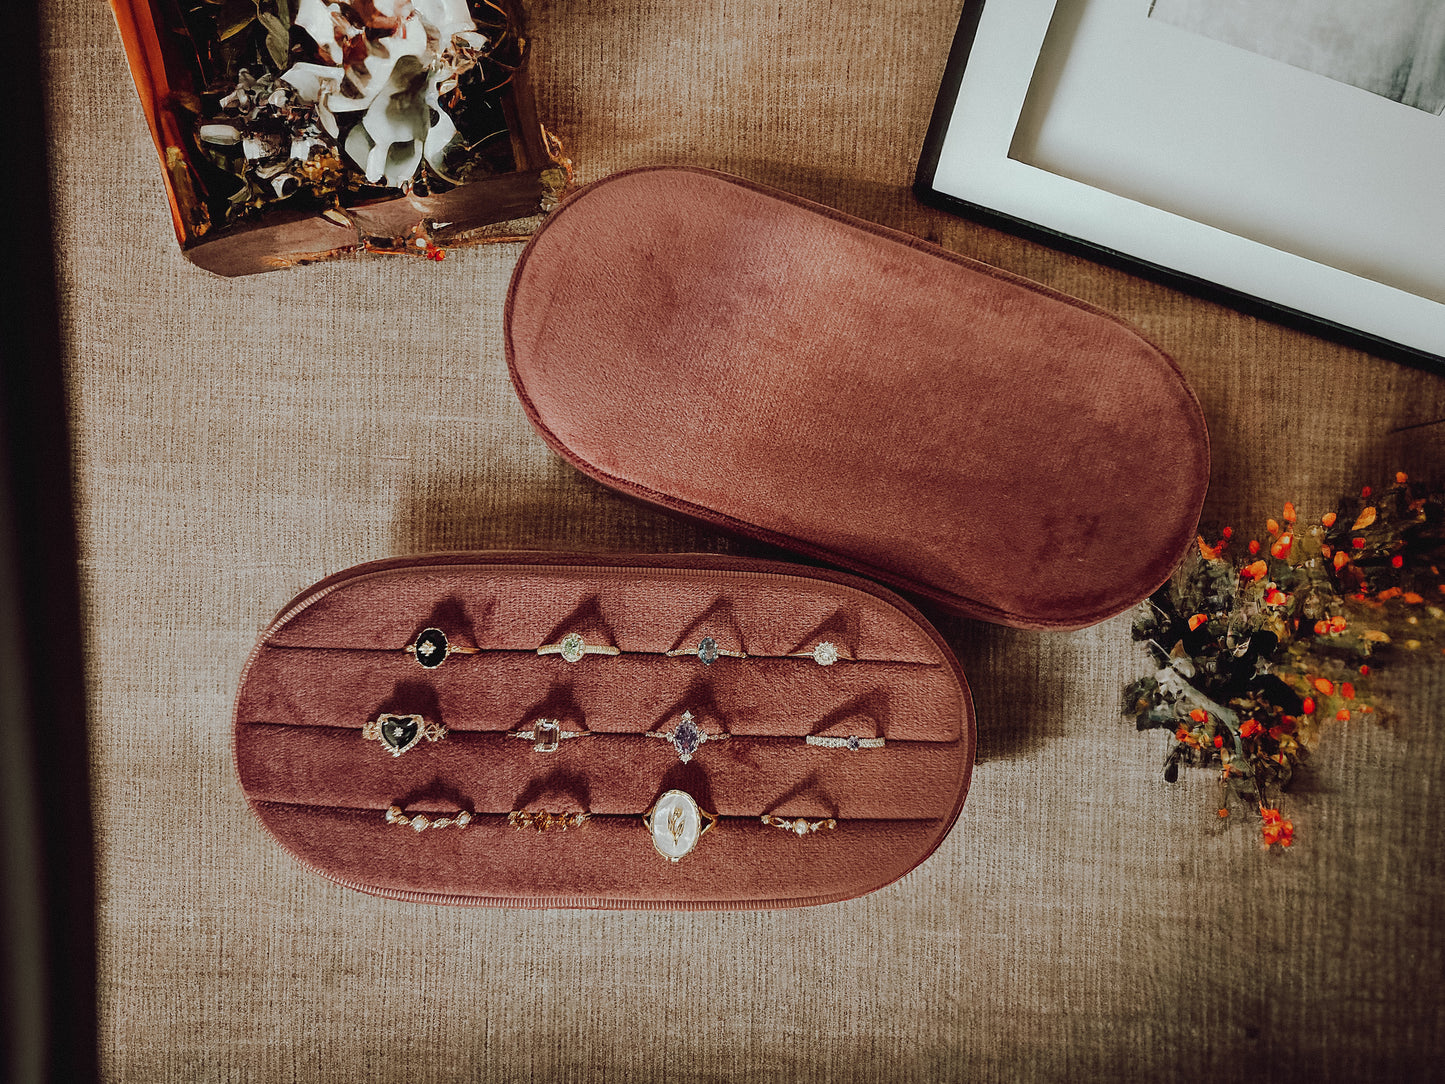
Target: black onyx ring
398,733
706,650
825,654
546,735
431,648
572,647
686,737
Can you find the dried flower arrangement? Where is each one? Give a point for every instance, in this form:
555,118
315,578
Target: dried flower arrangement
376,122
1257,652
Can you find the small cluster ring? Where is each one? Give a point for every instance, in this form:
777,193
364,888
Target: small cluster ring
800,826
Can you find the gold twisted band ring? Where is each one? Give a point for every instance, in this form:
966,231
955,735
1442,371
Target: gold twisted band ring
420,822
545,822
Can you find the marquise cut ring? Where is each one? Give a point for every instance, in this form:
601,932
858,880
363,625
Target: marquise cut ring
546,735
431,648
849,742
675,824
825,654
686,736
706,650
398,733
572,647
800,826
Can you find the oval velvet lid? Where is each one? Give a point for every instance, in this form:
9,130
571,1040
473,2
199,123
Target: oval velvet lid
795,375
352,750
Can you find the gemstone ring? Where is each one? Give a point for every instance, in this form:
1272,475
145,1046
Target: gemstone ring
686,737
706,650
572,647
546,735
825,654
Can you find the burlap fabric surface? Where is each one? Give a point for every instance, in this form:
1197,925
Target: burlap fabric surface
238,440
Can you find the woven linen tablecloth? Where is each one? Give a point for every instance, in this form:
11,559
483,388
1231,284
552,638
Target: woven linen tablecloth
238,440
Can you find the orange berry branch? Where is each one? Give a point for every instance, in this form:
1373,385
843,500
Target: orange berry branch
1253,655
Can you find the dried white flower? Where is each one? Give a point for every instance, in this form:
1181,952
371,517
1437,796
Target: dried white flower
393,79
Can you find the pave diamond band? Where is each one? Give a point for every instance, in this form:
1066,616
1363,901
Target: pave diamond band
849,742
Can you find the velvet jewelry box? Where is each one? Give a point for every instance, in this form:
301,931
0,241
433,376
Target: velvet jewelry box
553,730
791,374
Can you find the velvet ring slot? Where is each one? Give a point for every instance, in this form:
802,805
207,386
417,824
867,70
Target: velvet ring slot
872,758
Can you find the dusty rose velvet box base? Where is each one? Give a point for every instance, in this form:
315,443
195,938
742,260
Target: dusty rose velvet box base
336,658
786,372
